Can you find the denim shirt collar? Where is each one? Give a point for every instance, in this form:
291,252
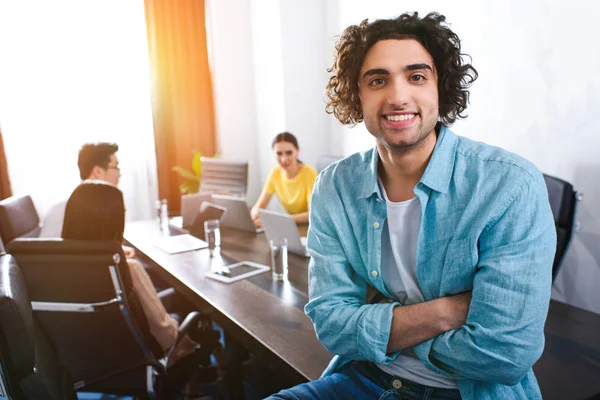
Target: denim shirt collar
438,173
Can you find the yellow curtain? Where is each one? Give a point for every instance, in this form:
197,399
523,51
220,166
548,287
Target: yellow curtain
182,99
5,190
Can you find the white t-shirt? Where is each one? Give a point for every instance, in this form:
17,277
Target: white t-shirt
399,272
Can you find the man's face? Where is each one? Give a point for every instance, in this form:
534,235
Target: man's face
110,174
398,93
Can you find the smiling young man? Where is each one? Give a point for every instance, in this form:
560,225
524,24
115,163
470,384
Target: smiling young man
456,234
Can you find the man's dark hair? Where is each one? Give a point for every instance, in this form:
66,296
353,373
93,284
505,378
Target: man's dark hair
454,76
94,154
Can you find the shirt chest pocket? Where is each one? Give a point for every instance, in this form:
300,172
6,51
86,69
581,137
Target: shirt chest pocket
459,269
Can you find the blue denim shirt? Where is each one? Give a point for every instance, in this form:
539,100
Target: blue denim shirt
486,226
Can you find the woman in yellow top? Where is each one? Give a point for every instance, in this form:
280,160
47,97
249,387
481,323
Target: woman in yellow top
292,181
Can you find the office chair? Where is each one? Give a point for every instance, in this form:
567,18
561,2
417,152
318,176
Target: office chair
82,298
18,218
224,177
563,202
324,160
29,367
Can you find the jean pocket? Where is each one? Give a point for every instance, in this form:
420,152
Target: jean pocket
398,394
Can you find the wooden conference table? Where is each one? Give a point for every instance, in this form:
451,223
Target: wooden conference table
265,316
268,317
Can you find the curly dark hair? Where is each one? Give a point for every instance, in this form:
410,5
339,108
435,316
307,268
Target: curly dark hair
454,76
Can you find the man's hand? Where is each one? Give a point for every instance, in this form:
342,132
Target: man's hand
128,251
418,322
454,310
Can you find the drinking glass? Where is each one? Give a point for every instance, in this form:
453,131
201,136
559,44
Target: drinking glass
279,259
212,235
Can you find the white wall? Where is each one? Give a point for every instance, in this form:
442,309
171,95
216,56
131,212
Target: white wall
304,56
268,78
268,75
231,49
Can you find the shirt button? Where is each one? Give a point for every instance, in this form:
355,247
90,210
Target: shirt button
376,225
397,383
378,200
374,273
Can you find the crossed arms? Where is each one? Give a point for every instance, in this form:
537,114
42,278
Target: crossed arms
496,335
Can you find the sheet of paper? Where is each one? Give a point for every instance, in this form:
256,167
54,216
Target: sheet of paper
180,244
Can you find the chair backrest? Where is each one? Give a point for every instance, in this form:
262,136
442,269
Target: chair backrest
18,218
82,298
324,160
29,364
563,202
224,177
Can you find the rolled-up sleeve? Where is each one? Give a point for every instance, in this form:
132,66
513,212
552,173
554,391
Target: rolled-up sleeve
504,332
344,322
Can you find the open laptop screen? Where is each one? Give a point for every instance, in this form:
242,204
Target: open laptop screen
206,212
190,204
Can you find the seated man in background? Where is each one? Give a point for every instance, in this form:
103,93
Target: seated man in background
96,161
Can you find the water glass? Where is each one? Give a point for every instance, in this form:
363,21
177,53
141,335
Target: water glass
162,212
279,259
212,234
157,205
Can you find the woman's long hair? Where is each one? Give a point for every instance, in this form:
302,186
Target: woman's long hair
95,211
285,137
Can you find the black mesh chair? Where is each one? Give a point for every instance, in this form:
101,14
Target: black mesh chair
18,218
82,298
29,367
563,201
324,160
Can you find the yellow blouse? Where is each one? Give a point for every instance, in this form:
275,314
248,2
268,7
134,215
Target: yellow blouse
295,193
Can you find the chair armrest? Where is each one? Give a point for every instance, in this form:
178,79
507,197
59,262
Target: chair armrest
190,322
164,294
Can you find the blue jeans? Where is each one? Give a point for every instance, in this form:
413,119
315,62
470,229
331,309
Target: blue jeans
364,380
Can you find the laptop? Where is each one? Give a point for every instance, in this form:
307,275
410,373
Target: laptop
238,214
206,212
190,204
279,226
